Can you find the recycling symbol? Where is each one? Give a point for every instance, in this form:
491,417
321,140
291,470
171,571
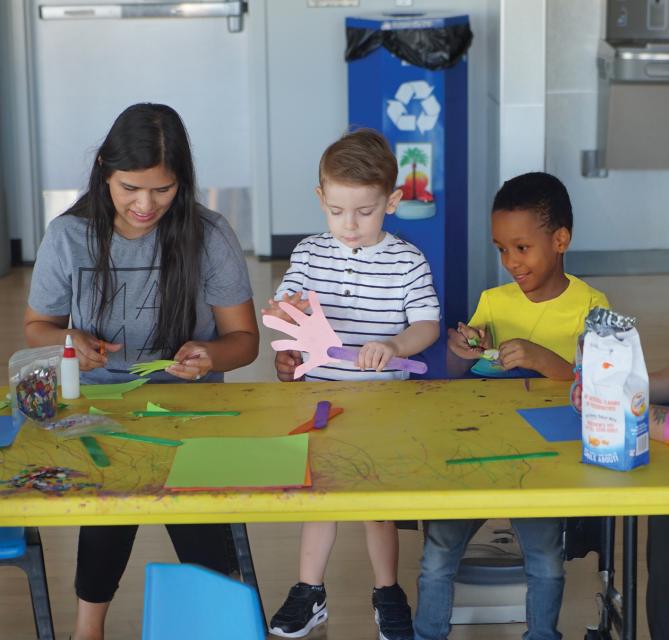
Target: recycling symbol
407,93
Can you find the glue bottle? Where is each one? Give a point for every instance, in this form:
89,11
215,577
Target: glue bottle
69,372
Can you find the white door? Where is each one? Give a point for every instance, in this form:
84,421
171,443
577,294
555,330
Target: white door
91,60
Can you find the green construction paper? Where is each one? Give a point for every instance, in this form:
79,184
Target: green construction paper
151,406
164,413
166,442
95,451
110,391
218,463
4,404
98,412
145,368
504,457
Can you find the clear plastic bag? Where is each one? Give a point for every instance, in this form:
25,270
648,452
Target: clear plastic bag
33,384
82,424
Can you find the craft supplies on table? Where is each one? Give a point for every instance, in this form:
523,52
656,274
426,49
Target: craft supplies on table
33,380
147,368
110,391
69,371
206,464
503,457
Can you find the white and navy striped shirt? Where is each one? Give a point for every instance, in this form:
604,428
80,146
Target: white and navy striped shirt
370,293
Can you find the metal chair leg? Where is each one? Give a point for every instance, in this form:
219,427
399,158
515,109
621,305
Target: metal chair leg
33,564
245,562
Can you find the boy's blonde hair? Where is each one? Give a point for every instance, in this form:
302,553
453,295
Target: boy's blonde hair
360,157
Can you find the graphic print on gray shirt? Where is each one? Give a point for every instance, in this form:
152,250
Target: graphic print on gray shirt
63,276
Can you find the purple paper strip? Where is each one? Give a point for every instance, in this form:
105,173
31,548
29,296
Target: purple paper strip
404,364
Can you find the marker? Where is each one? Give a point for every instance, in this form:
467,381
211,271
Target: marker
514,456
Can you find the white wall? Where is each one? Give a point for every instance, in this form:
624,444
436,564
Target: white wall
522,99
64,90
16,151
628,209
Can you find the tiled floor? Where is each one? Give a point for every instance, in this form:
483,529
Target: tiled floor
275,546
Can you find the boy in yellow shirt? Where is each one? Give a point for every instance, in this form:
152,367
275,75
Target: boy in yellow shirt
534,322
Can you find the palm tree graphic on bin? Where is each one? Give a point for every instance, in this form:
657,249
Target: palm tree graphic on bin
417,201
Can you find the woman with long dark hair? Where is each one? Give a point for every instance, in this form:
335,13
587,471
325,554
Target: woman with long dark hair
140,270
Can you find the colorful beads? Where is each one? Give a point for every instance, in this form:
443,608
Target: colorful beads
37,393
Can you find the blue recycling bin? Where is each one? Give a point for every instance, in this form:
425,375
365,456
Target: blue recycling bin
407,77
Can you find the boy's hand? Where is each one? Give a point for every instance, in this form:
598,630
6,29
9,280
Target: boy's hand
522,353
375,355
286,362
467,342
295,300
528,355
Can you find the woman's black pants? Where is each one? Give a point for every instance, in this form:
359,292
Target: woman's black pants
104,553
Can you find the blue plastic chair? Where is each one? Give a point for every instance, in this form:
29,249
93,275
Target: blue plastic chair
188,601
22,547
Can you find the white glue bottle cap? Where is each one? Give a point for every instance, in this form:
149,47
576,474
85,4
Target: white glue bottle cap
69,372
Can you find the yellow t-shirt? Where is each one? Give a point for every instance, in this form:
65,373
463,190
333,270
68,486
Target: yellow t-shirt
554,324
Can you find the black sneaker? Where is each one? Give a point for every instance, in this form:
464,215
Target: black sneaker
392,613
303,610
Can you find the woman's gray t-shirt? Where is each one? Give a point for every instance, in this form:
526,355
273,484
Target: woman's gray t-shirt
63,276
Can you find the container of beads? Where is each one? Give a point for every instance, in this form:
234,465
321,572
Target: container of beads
33,384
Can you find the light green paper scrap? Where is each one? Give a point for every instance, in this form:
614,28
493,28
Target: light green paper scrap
98,412
217,463
152,406
4,404
110,391
145,368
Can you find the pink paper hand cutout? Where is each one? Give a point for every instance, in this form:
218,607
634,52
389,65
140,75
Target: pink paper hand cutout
312,334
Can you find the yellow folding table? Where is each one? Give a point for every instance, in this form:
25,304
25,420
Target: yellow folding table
384,457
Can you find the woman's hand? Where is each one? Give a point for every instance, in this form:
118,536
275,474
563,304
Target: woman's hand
42,330
193,361
375,355
90,350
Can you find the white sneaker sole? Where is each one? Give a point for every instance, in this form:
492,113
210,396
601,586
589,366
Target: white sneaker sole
319,618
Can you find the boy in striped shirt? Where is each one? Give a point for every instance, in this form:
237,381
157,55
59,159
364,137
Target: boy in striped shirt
376,291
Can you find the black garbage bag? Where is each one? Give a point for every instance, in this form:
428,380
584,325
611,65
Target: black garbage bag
431,48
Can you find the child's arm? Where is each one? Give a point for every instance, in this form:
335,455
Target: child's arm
416,337
285,362
659,386
658,423
464,345
294,299
528,355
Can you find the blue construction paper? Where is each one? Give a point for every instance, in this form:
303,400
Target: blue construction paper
8,430
486,369
554,424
